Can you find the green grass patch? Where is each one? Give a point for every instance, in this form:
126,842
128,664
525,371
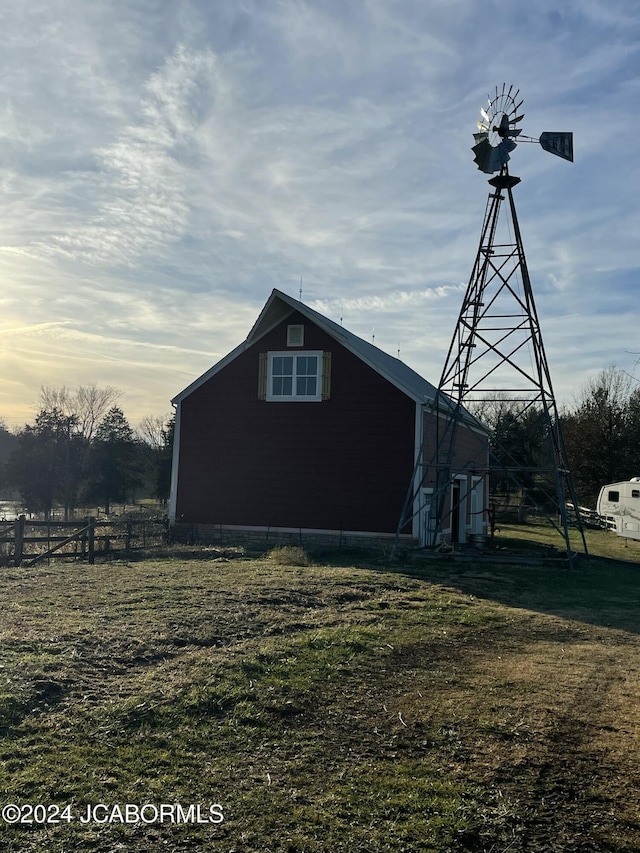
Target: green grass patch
541,536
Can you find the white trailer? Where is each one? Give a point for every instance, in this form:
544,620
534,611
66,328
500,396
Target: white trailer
619,507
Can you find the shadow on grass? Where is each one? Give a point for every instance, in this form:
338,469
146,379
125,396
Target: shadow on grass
597,590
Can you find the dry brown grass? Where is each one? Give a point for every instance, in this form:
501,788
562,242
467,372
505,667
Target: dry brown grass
436,706
289,555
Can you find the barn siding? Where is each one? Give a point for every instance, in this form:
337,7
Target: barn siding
470,451
339,464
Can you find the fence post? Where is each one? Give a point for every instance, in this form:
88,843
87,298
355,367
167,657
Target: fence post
129,528
92,539
19,538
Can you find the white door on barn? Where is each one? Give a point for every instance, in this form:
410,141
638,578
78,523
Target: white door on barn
458,512
427,522
478,521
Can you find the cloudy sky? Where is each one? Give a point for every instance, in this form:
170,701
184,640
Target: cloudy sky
165,163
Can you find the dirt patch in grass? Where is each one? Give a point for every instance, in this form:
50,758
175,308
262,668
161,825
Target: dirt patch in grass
349,708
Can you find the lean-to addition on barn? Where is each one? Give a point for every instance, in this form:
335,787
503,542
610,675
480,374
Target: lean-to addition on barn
307,430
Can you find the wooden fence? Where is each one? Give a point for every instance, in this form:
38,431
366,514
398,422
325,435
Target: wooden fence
26,542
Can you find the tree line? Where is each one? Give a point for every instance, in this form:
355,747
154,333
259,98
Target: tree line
601,431
81,450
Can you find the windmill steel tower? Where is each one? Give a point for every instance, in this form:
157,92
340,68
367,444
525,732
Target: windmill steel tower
497,356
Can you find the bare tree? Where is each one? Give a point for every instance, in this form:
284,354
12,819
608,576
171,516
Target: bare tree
152,430
87,404
92,404
609,389
55,398
156,436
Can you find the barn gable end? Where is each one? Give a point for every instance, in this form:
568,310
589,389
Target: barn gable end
304,426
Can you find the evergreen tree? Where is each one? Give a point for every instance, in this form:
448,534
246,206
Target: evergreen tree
163,473
44,465
518,444
114,460
8,442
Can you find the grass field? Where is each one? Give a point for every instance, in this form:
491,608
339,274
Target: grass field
357,705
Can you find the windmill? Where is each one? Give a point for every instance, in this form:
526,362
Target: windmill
496,352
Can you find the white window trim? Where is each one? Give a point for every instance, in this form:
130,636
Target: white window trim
303,398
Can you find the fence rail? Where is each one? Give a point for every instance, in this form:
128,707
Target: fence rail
27,542
591,518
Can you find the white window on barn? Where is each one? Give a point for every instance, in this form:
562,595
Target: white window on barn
294,377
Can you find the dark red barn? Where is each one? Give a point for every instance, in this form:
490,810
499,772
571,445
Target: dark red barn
307,431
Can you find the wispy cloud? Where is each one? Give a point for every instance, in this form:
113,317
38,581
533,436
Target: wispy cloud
165,166
140,184
398,300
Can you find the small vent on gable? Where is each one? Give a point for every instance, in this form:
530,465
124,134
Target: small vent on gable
295,336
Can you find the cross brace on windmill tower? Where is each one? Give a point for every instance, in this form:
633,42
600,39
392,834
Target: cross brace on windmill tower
497,358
